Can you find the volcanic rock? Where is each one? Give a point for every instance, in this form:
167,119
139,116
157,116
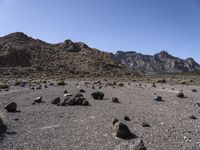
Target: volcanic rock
56,101
11,107
97,95
121,130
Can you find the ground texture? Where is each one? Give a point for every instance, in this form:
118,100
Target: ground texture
46,126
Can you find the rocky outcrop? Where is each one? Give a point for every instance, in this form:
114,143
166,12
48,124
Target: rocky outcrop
68,58
159,63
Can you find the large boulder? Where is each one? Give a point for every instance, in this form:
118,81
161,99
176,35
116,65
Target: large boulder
11,107
121,130
98,95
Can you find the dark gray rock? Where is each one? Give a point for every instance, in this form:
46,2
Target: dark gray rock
193,117
98,95
158,98
115,100
140,145
82,91
65,91
11,107
126,118
121,130
144,124
194,90
180,95
56,101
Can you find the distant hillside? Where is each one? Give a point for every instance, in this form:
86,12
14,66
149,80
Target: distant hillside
159,63
23,55
68,58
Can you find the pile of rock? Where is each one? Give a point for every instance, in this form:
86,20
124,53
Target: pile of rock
77,99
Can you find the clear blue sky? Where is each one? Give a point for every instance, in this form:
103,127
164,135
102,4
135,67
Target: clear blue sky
146,26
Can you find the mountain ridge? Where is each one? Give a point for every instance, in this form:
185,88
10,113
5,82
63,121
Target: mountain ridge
19,50
74,59
161,62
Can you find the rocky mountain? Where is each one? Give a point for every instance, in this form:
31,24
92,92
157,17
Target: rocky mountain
23,55
159,63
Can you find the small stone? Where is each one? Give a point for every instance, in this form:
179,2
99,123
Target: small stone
82,91
121,130
121,84
154,85
65,91
97,95
39,87
193,117
159,98
38,99
56,101
140,146
127,118
115,100
51,84
180,95
16,119
194,90
144,124
11,107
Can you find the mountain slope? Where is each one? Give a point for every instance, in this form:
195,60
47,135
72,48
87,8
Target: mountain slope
159,63
69,58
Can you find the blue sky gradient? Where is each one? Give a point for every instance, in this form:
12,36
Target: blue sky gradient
146,26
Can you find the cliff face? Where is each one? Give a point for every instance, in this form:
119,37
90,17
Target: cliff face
159,63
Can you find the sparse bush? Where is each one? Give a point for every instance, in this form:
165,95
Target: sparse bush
4,86
183,82
161,81
17,83
61,83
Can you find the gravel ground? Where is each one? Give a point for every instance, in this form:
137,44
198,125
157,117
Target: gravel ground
49,127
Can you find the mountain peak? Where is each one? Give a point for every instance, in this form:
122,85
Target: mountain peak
164,52
18,35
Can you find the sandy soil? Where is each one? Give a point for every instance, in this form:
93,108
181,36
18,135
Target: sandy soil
49,127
